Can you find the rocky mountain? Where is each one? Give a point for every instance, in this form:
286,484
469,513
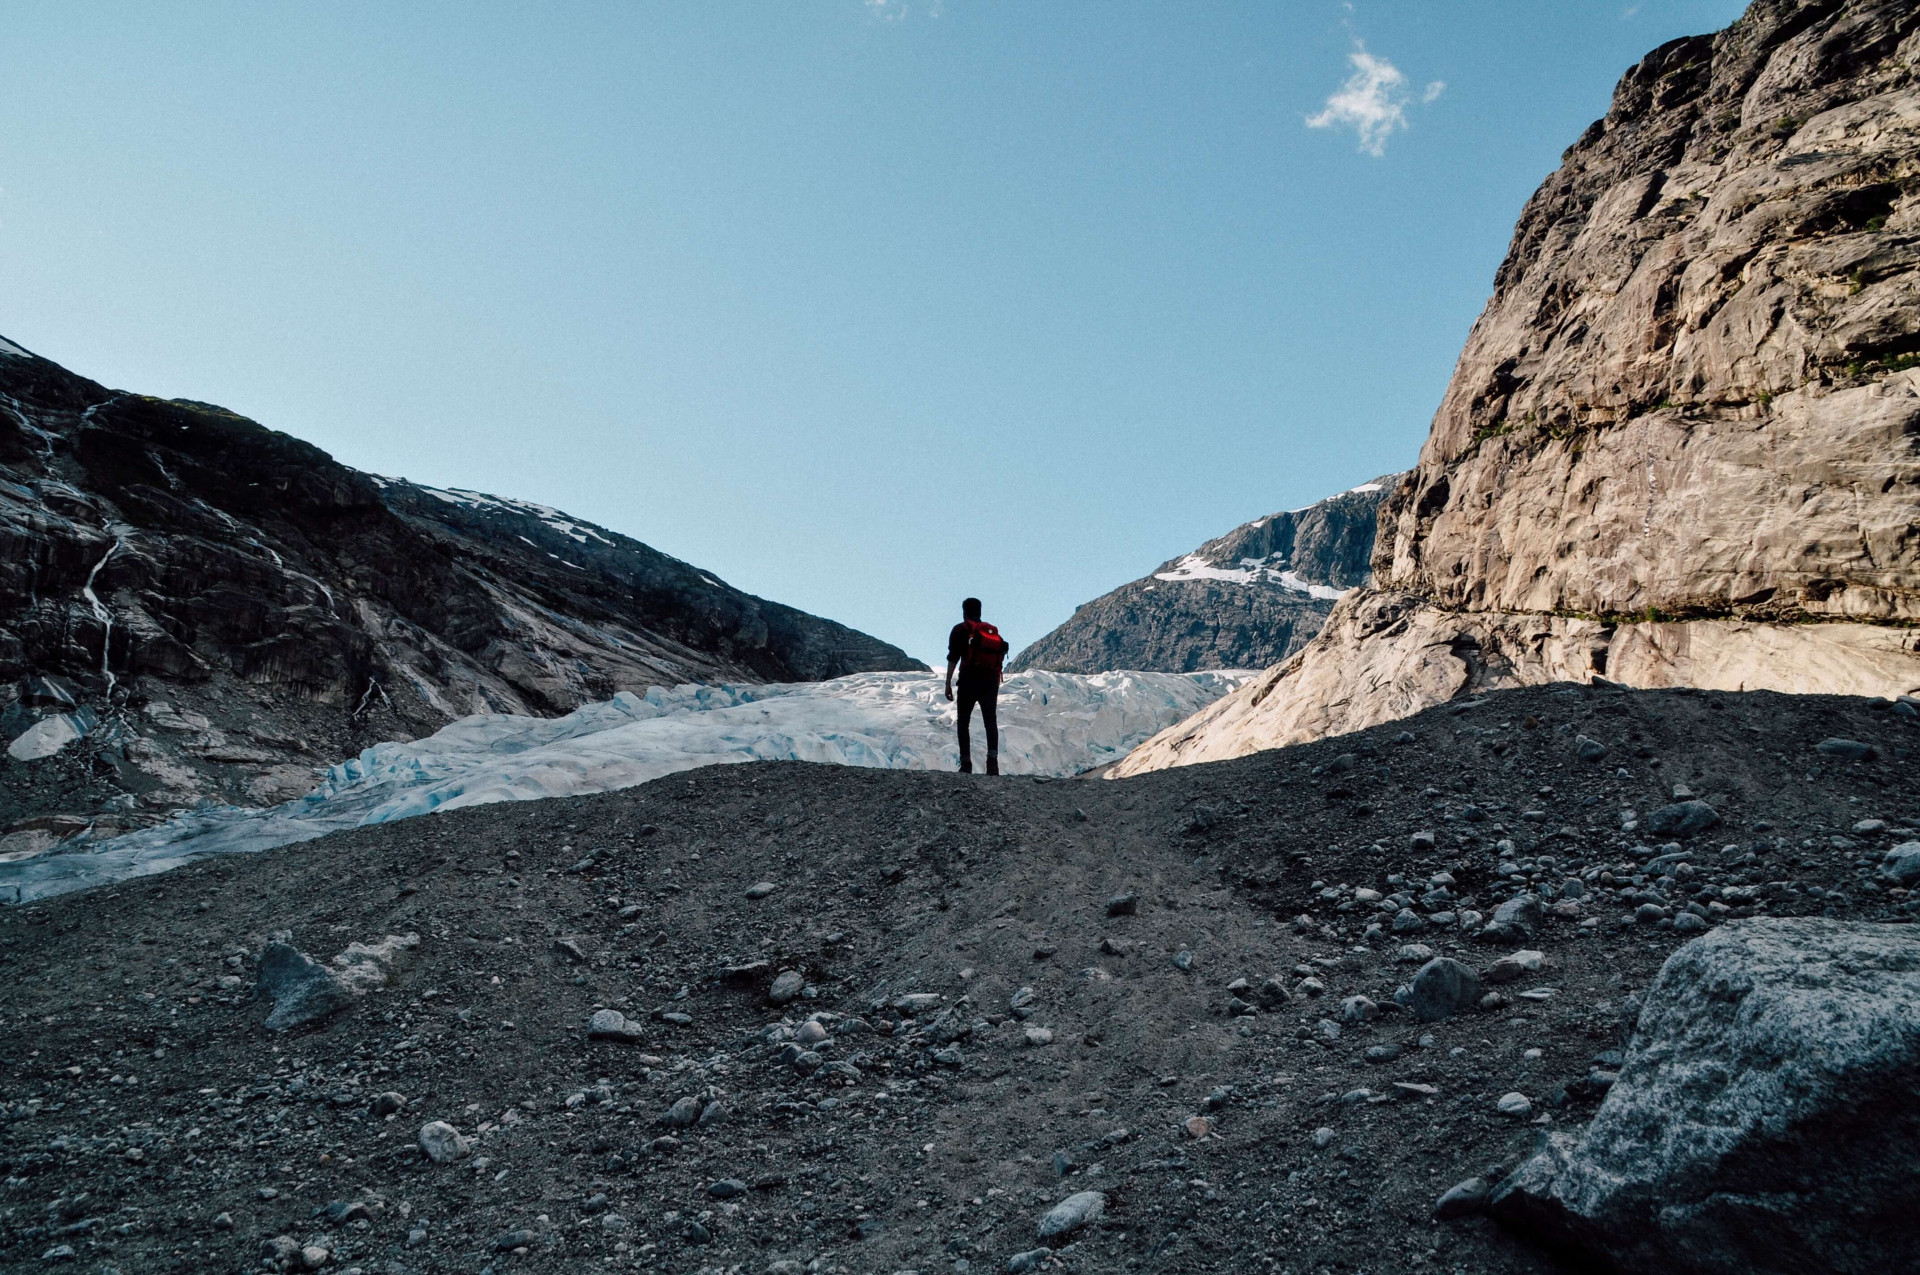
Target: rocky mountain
216,607
1243,600
1682,444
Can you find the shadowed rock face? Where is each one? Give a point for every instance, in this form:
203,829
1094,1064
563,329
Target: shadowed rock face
1243,600
236,605
1682,444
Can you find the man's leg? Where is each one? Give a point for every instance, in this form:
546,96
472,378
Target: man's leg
965,718
990,718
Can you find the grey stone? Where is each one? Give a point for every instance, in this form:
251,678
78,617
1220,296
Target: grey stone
1848,749
1358,1009
1681,819
917,1002
1901,865
303,990
1031,1260
1514,921
1072,1213
1517,1105
787,985
507,1241
1407,921
1123,905
1763,1119
611,1024
443,1143
683,1113
761,889
727,1188
1463,1199
388,1103
1589,749
1442,988
1510,969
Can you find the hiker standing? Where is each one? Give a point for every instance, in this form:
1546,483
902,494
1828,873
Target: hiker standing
978,650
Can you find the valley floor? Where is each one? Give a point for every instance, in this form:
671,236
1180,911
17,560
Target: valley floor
152,1123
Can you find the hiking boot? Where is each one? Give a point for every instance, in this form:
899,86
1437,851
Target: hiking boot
993,764
966,765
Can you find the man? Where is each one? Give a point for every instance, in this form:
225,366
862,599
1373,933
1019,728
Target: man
977,650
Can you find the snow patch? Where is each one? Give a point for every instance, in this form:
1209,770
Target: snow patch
9,348
1271,570
1050,724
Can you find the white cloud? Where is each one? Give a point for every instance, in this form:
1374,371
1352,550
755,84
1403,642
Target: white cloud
1373,101
894,10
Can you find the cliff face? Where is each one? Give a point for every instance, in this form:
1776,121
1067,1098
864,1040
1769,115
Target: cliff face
1242,600
216,607
1689,415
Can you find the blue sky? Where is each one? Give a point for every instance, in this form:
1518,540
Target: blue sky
864,306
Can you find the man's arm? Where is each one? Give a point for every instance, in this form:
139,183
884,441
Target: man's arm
952,662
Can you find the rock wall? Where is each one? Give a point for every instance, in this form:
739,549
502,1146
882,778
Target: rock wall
1682,443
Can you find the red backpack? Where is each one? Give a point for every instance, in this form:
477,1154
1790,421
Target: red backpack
986,649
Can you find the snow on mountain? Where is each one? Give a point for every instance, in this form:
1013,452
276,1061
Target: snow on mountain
1053,724
1246,599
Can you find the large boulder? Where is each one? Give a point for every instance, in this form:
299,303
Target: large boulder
1765,1118
303,990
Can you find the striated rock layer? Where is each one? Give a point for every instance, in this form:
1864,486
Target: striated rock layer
1243,600
1688,418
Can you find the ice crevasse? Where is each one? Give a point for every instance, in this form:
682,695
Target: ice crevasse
1053,724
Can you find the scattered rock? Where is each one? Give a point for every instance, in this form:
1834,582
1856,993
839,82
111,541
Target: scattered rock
1847,749
443,1143
303,990
1072,1213
787,985
1510,969
1681,819
1901,865
611,1024
1123,905
1514,921
1463,1199
761,889
1442,988
1517,1105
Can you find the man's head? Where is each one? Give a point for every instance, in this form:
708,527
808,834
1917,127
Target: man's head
970,609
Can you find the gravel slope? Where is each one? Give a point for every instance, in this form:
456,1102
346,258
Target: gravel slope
153,1123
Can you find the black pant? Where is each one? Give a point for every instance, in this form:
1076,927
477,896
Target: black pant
988,698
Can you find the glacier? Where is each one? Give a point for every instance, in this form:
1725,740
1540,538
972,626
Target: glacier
1054,724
